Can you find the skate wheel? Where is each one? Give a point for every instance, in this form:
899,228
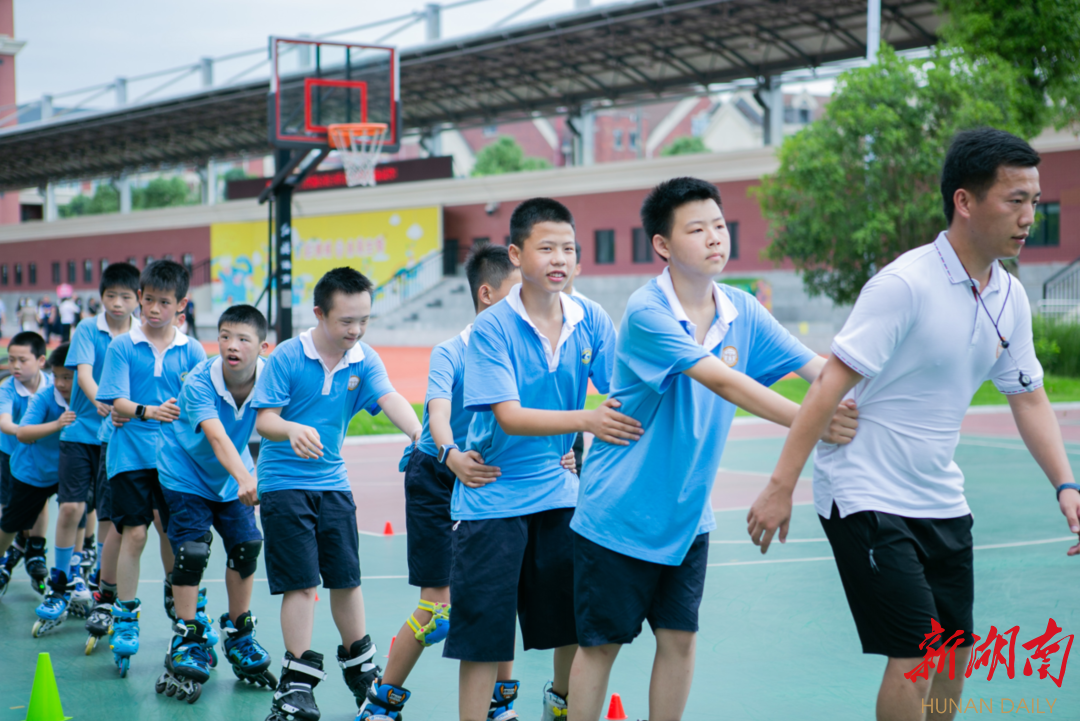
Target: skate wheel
160,684
171,689
36,631
269,679
123,664
213,657
91,642
195,693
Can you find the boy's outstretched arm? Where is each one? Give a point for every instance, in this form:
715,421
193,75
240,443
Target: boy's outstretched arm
604,422
34,433
1042,435
84,376
7,425
401,414
230,459
304,440
772,509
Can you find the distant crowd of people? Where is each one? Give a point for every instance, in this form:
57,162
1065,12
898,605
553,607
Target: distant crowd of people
55,320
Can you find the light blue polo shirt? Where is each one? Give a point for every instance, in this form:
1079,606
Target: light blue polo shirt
136,371
650,499
185,459
446,380
37,464
509,360
297,381
89,343
14,398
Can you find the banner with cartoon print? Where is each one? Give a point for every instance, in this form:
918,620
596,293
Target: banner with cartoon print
378,244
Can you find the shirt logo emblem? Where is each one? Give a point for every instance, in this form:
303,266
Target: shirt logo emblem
354,382
730,355
183,376
586,356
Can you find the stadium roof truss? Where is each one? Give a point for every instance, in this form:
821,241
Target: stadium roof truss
619,54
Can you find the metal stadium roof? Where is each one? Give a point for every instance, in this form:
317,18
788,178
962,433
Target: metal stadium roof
627,53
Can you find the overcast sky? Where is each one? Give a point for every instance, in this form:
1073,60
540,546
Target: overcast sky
72,44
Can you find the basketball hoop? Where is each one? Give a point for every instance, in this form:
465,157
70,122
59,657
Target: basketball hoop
359,145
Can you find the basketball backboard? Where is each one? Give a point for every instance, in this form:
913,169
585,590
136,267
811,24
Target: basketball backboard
316,83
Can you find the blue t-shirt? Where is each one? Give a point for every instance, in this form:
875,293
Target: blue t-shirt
136,371
507,361
185,459
297,381
89,343
650,499
446,379
37,464
14,398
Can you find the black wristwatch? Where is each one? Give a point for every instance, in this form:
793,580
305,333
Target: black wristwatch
444,451
140,412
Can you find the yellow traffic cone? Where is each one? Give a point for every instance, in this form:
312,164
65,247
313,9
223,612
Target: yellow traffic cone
45,696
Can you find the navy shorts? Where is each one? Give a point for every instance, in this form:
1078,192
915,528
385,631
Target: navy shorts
506,568
310,534
79,464
191,516
428,487
135,495
100,495
900,572
614,593
5,478
24,506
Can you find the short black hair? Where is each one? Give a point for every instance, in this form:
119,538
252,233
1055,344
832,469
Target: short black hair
244,315
58,356
658,210
533,211
577,251
165,275
974,158
29,339
119,275
340,280
489,264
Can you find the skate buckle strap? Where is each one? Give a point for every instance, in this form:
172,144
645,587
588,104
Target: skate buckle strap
295,664
363,660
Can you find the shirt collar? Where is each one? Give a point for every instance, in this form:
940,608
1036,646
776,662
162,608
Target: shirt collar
464,335
726,312
138,336
956,272
217,377
24,391
103,324
573,314
353,355
60,399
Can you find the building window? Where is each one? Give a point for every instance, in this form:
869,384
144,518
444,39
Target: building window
490,131
31,272
149,260
733,231
616,136
632,140
642,247
132,260
188,261
804,116
605,247
103,264
480,242
88,271
55,272
1047,230
72,272
3,274
169,256
18,274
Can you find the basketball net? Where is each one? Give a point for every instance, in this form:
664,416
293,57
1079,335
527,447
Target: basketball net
359,145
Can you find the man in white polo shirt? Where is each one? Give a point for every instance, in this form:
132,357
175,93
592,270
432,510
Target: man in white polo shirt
925,333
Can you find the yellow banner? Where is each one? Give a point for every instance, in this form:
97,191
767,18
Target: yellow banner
378,244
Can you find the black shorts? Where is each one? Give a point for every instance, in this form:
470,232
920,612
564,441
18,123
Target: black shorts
24,507
135,495
5,479
428,487
79,464
614,593
900,572
101,493
504,568
191,516
310,534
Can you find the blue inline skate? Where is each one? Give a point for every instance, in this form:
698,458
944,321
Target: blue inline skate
384,703
99,623
502,701
54,609
80,600
125,633
212,634
187,664
250,661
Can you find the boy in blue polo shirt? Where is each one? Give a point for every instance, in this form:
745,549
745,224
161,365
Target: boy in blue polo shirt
527,371
143,372
26,359
689,352
34,469
206,477
311,388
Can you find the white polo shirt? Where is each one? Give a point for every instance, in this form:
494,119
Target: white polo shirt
924,346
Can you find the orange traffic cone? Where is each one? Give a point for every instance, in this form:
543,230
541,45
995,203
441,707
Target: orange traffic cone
615,710
316,596
389,530
391,647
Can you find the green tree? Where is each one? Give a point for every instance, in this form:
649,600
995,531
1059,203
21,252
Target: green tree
162,193
106,199
505,155
1040,39
860,186
685,145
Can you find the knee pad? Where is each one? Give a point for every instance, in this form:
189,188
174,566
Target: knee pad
191,560
434,630
244,557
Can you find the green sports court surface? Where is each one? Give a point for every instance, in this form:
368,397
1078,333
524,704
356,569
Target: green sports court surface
776,641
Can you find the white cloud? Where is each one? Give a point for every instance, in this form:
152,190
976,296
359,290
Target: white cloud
415,232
